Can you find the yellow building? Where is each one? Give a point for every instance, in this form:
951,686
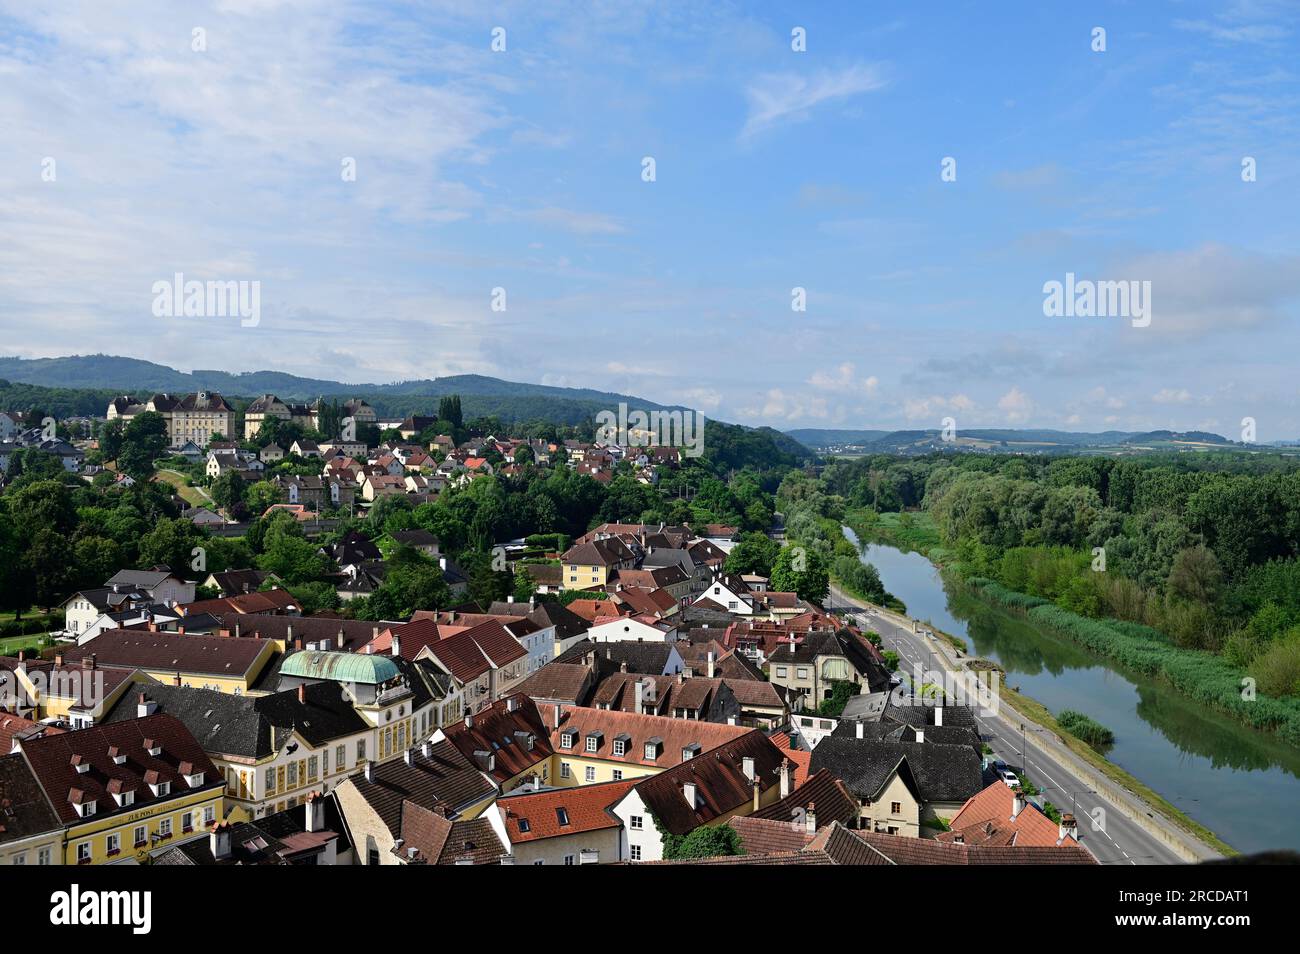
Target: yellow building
78,695
588,565
31,833
124,790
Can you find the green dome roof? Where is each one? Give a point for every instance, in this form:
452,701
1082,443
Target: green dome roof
340,667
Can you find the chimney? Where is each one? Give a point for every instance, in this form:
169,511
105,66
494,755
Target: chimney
88,662
469,719
861,730
688,792
397,646
219,841
920,734
1018,802
425,748
512,704
785,778
315,812
810,818
288,635
557,717
758,793
58,659
938,715
510,598
711,661
406,756
302,694
747,766
374,632
144,707
370,771
236,631
640,698
1069,828
176,679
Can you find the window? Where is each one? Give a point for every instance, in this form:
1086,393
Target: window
562,816
21,859
525,825
565,770
114,843
187,822
312,763
620,747
140,835
293,774
635,854
43,856
361,751
165,828
372,856
592,743
270,781
782,672
568,859
341,757
83,853
802,672
209,816
636,822
896,808
325,761
618,775
590,773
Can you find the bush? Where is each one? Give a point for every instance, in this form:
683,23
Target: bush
1277,669
1083,727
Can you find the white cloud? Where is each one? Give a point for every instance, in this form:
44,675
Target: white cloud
779,97
1016,405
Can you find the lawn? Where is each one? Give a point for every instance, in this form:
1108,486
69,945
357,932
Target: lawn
191,495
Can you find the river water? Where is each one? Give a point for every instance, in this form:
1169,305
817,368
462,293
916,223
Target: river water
1242,784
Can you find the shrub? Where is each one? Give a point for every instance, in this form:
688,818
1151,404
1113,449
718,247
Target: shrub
1277,669
1085,728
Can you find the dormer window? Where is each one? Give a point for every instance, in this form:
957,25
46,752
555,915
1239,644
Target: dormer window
80,765
160,789
195,780
117,755
86,809
594,740
567,739
124,799
690,751
621,743
653,747
153,747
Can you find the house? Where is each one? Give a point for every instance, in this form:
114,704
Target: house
271,750
737,778
655,659
421,540
209,662
677,697
653,603
126,789
560,684
75,695
588,565
811,664
162,585
196,417
730,593
305,448
235,582
1001,815
271,453
275,602
563,626
564,826
428,837
84,607
312,833
31,833
203,517
770,842
434,776
508,742
901,785
631,629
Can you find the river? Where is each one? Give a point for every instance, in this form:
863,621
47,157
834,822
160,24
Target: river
1241,784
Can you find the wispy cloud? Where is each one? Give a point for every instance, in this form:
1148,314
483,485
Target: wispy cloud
787,97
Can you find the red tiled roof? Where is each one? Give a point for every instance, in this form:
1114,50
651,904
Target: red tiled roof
985,819
515,738
584,808
171,652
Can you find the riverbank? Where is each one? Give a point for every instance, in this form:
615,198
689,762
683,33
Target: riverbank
1138,801
1203,677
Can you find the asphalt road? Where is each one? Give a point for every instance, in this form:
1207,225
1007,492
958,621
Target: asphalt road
1120,842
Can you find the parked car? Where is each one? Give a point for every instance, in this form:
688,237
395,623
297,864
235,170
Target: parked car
1010,777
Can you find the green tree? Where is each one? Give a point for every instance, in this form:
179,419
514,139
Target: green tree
803,571
143,442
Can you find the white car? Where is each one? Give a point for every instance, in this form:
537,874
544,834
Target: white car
1010,777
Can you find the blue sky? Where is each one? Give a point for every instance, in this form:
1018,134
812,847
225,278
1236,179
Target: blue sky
775,169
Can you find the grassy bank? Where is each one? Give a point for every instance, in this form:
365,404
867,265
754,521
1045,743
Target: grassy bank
1201,676
906,531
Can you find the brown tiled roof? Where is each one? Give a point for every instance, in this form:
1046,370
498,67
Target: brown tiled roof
15,725
171,652
562,811
605,552
591,610
721,785
24,810
269,601
655,602
559,682
52,761
444,778
823,794
440,841
510,731
761,834
673,734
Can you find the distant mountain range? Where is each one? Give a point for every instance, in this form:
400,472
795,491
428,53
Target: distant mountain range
1004,439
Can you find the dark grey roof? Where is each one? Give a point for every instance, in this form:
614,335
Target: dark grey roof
545,613
250,726
647,658
943,773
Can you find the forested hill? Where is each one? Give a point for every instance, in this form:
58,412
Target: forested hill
481,396
1027,440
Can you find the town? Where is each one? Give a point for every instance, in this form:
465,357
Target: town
275,633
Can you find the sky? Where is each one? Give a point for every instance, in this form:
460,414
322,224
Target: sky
920,175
